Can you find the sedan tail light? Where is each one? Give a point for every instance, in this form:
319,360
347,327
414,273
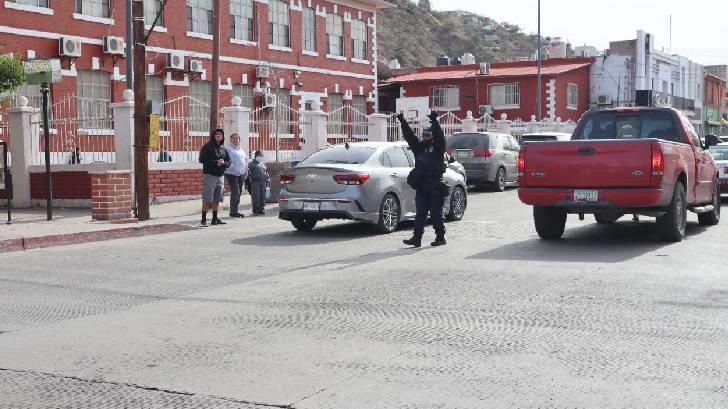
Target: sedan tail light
352,179
287,179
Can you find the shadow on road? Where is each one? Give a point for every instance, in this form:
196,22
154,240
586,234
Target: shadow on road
614,243
320,235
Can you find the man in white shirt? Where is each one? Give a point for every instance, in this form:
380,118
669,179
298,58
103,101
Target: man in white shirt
236,173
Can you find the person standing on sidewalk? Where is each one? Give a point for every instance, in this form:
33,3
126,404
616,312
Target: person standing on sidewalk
235,174
214,159
426,179
258,182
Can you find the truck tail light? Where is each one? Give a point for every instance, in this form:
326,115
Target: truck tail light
352,179
658,161
522,163
287,179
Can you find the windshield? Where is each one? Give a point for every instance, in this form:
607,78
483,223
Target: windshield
719,152
355,155
466,141
629,125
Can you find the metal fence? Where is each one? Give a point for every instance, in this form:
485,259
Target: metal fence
184,127
486,123
277,131
5,129
80,131
347,124
450,124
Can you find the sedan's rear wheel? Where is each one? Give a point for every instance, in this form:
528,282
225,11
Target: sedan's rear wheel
304,224
389,214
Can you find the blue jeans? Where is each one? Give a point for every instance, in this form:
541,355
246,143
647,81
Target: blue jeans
257,193
429,201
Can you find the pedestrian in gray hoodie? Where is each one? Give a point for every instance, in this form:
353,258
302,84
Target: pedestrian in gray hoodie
259,179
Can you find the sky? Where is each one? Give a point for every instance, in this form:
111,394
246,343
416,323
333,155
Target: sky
699,27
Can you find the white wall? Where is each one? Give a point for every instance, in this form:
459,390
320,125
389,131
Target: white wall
612,76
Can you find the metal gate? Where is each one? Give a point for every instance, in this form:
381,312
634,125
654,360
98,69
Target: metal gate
347,124
277,131
184,126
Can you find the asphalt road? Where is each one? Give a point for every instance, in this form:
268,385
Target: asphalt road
255,315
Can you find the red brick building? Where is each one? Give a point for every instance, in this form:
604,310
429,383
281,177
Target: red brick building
714,97
315,50
509,88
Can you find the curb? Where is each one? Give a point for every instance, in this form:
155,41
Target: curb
28,243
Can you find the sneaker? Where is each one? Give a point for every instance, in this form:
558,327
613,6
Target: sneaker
203,223
416,243
239,215
217,222
440,241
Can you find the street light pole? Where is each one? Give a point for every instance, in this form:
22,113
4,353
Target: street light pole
538,54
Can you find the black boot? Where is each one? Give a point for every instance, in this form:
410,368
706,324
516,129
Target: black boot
439,241
414,241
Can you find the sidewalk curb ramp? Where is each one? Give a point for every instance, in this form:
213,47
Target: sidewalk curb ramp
28,243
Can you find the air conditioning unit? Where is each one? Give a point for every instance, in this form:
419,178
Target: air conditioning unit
484,68
262,71
269,100
113,45
176,61
604,100
69,47
485,109
196,66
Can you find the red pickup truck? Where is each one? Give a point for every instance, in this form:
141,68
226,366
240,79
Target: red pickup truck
642,161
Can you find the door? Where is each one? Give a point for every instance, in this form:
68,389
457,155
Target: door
704,166
502,156
400,169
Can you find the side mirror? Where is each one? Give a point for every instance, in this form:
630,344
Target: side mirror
711,140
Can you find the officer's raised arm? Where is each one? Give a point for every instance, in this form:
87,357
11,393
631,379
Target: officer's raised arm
437,135
407,132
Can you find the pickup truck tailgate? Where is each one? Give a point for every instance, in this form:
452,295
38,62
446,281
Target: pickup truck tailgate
588,164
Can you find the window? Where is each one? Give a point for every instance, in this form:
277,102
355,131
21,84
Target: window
397,158
355,155
241,20
35,98
359,118
93,89
283,111
155,91
199,106
151,8
359,40
572,95
309,29
445,98
95,8
36,3
245,92
505,95
628,125
335,103
279,18
199,16
335,34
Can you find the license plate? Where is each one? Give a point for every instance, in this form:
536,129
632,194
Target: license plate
588,196
311,206
464,154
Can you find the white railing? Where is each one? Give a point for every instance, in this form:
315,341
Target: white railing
80,131
277,131
347,124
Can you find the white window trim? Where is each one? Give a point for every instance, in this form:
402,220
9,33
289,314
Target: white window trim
310,53
358,61
157,28
95,131
336,57
506,107
94,19
202,36
32,9
280,48
243,42
572,107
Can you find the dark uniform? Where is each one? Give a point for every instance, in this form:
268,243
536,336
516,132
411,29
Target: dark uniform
426,179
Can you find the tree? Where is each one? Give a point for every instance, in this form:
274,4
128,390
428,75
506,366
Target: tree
11,74
425,5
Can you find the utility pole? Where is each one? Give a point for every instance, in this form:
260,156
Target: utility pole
215,92
129,47
538,76
141,126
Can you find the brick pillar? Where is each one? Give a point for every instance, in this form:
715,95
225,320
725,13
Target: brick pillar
111,195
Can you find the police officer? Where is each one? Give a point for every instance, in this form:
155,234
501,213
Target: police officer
426,178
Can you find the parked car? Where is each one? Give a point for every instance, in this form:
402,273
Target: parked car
720,155
489,158
365,181
545,137
645,161
458,167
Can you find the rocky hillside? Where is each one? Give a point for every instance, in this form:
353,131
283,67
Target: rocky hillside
416,35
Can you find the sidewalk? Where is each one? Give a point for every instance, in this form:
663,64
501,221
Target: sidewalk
29,228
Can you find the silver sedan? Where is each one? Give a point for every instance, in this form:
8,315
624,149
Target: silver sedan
365,182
